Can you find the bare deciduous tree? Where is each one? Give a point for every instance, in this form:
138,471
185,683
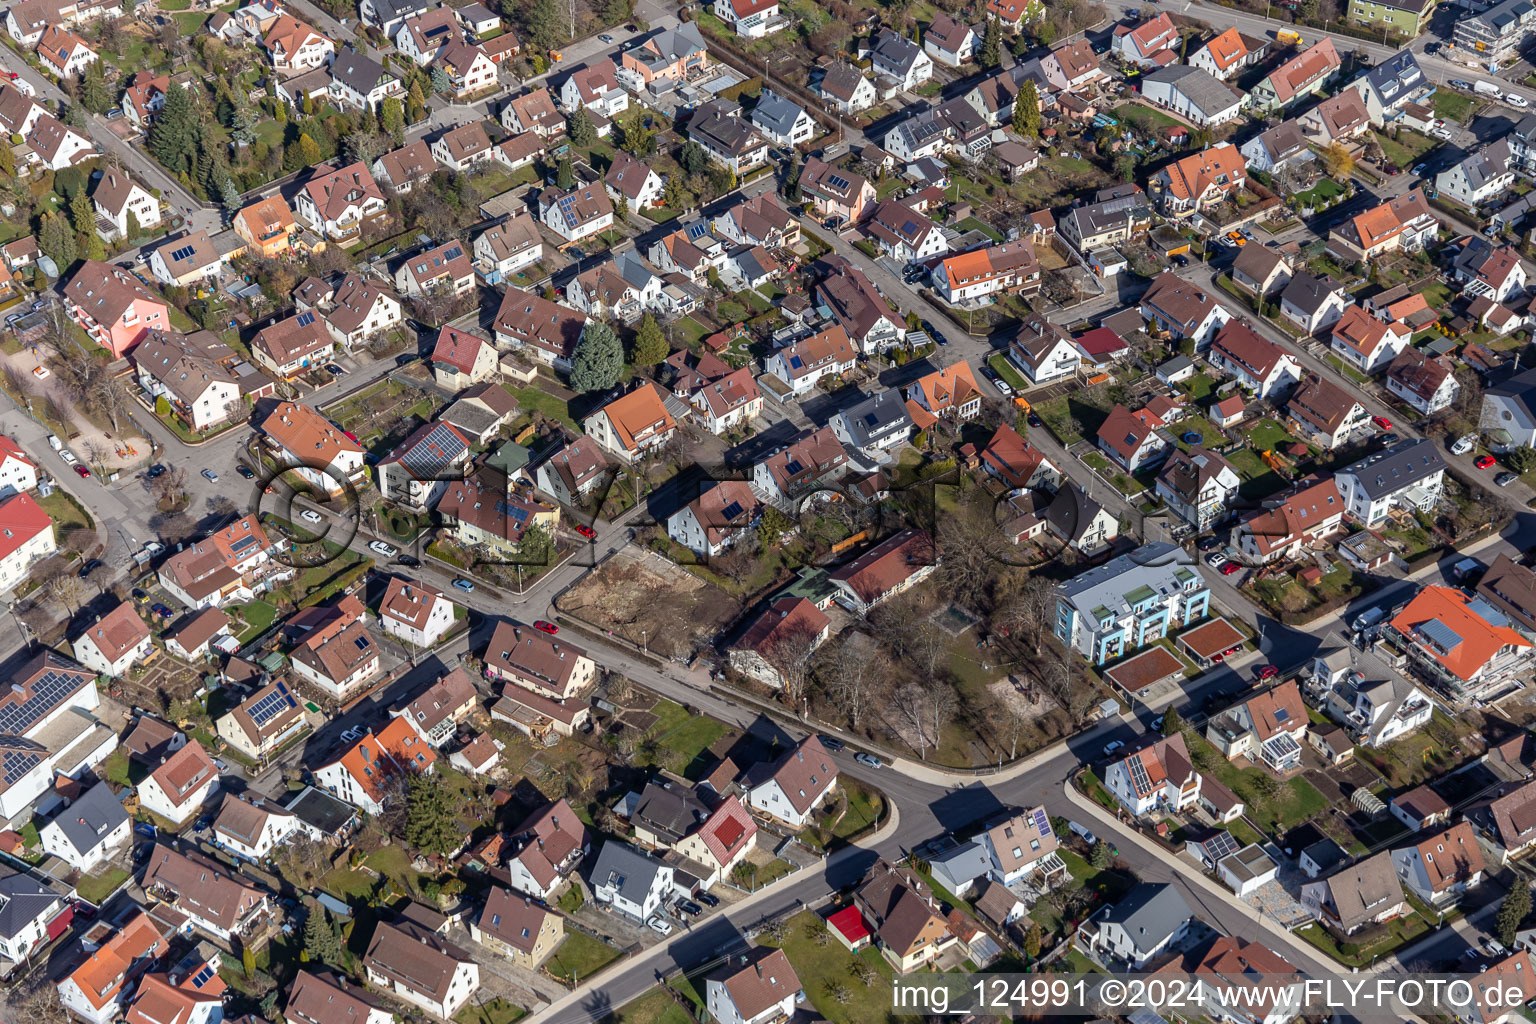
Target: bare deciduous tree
789,653
67,590
850,677
910,705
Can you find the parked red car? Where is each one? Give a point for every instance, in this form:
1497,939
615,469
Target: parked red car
1268,672
1485,462
547,627
81,470
1382,422
586,531
1230,568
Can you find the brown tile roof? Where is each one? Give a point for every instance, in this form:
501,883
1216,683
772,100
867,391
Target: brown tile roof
758,980
1451,856
409,601
340,647
887,565
202,887
414,957
327,999
280,714
185,772
533,658
106,292
1321,403
410,163
804,774
1302,71
640,413
118,632
308,436
355,300
783,619
291,339
513,918
534,320
333,189
440,701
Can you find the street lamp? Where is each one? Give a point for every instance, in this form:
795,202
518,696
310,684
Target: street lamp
645,644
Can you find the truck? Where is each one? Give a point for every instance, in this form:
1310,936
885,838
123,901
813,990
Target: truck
1486,89
1288,37
1368,618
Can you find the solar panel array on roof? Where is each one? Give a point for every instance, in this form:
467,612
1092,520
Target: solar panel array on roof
362,642
18,763
306,318
240,545
279,700
516,513
839,182
1139,779
452,254
793,467
696,231
202,977
732,511
1042,823
51,687
428,456
1220,845
1441,635
183,253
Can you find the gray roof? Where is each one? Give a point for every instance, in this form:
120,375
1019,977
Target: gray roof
22,899
1486,164
630,871
1395,77
1096,218
671,43
841,80
1206,92
1326,854
1519,389
964,863
876,417
391,10
1071,511
1392,469
321,811
1362,891
669,809
1308,292
897,52
775,114
1150,913
722,125
1282,141
363,74
1161,566
88,821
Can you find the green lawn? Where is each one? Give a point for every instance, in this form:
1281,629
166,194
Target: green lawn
96,888
1407,149
681,747
493,1011
65,512
1290,803
1452,105
537,399
580,956
655,1007
972,224
1200,386
259,616
690,330
753,876
1327,188
1008,371
1267,435
821,967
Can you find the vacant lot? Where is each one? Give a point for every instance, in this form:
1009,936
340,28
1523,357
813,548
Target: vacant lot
647,600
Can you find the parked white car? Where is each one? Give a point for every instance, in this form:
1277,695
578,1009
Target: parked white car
1516,100
309,515
380,548
659,925
1464,444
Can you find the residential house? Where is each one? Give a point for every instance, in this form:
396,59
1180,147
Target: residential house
338,654
266,226
1199,181
302,440
1404,223
538,328
1149,920
214,900
728,139
263,722
805,363
1376,713
117,642
1146,43
1483,175
519,151
1357,896
949,41
543,851
470,71
463,147
96,990
232,565
422,36
1020,846
783,121
596,88
664,58
481,515
89,832
1309,516
846,89
1313,303
971,277
1275,150
1511,588
874,425
1408,475
1494,273
691,252
126,205
533,112
1072,67
362,82
630,881
760,221
192,638
1259,366
859,307
576,213
415,964
1325,414
113,306
1405,17
336,201
729,402
757,987
507,248
753,19
389,15
253,828
1304,75
1129,602
329,999
899,59
634,182
177,789
56,145
1426,384
1459,644
790,628
401,170
621,289
143,98
293,46
1227,53
1183,310
442,270
18,473
1134,440
187,261
415,612
910,930
1367,343
1116,215
949,393
1198,486
367,773
64,54
632,424
1193,94
573,471
717,519
460,359
1266,729
532,660
437,711
836,192
1337,120
1259,270
26,538
522,931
